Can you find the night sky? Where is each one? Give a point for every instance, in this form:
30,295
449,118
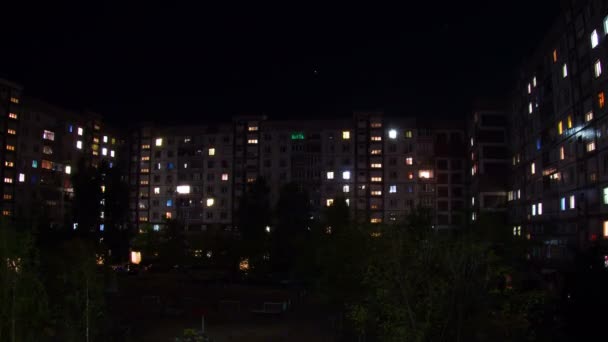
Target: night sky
181,63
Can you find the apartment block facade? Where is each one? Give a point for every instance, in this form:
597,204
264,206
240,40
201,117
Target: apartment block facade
383,167
559,137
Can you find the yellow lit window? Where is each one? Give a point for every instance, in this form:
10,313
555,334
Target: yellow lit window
252,128
9,164
376,152
376,138
408,134
8,180
145,170
605,232
96,140
329,202
11,131
425,174
145,147
8,196
145,158
376,166
10,147
6,212
569,121
12,115
252,141
143,182
601,99
562,153
210,202
14,100
345,135
143,219
560,128
158,142
591,146
376,179
250,179
589,116
555,56
376,193
376,220
212,151
533,168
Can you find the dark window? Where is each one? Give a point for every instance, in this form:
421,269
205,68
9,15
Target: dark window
442,191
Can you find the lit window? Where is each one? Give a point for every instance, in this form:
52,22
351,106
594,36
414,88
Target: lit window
376,124
562,204
409,161
410,175
252,128
601,99
252,141
589,116
168,214
534,81
68,169
345,135
104,151
330,175
112,153
347,202
156,227
158,142
211,151
376,152
79,145
105,138
145,158
533,209
345,188
329,202
376,166
473,216
529,88
376,193
12,115
210,202
8,196
9,164
597,68
560,128
376,138
605,191
145,170
21,178
569,121
565,70
10,147
375,220
392,189
595,39
540,209
605,231
103,189
145,146
562,153
606,25
47,165
183,189
47,150
472,201
143,182
156,190
591,146
376,179
15,100
346,175
80,131
224,176
8,180
296,136
11,131
426,174
472,141
530,108
572,202
408,134
392,134
555,56
533,168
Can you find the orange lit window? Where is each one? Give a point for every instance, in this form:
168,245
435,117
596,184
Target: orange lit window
168,214
9,164
10,147
145,147
376,138
410,175
12,115
562,153
11,131
143,219
555,56
6,212
376,179
14,100
601,99
8,196
376,124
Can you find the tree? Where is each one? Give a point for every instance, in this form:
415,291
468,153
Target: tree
254,215
116,210
292,227
86,204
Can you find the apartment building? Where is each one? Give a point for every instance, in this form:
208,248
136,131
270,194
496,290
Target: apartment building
10,111
559,130
383,167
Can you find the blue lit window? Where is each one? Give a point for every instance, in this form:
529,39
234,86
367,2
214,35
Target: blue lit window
102,227
34,164
169,202
538,144
563,204
70,128
170,166
410,188
156,227
33,179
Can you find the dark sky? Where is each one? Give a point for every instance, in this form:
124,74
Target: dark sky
178,62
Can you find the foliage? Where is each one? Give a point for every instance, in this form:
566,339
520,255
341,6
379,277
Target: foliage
253,216
86,181
193,335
